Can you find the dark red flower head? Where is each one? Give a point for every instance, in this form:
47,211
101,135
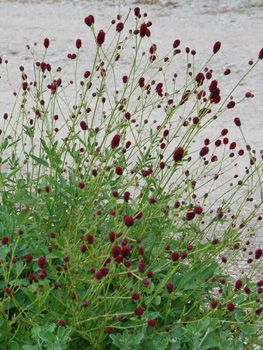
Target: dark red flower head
128,220
258,253
190,215
175,256
61,323
119,27
5,240
200,78
83,125
176,43
144,31
89,20
46,43
81,185
204,151
214,304
137,11
115,141
41,262
126,196
231,104
115,251
230,307
139,310
238,284
125,251
136,296
100,37
217,46
119,170
78,44
169,287
178,154
237,121
260,55
90,239
152,323
83,248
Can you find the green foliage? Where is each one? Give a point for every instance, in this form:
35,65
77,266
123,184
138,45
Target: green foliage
126,244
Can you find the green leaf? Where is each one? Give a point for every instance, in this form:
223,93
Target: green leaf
40,161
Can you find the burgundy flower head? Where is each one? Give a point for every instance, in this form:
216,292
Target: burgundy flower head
176,43
238,284
128,220
169,287
78,44
258,253
89,20
115,141
136,296
83,125
237,121
152,323
119,27
217,46
46,43
214,304
100,37
137,11
41,262
178,154
115,251
204,151
139,310
5,240
61,323
144,31
230,307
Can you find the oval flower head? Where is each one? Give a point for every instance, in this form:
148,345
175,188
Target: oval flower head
100,37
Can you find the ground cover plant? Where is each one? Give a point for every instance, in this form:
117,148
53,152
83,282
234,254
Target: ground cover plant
122,222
